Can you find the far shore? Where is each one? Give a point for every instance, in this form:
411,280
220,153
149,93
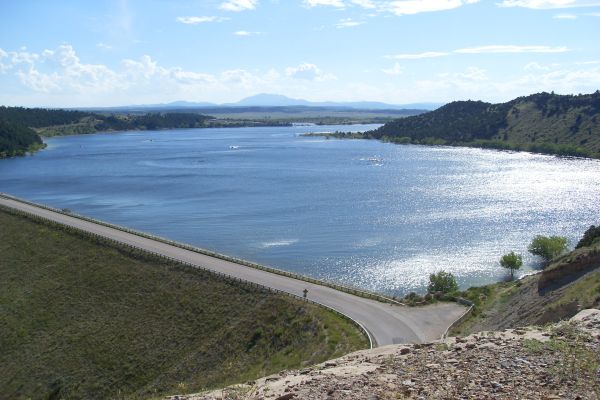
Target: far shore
535,148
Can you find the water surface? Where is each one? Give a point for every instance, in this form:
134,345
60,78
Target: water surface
366,213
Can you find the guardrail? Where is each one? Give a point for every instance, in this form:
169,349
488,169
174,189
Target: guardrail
333,285
465,302
227,277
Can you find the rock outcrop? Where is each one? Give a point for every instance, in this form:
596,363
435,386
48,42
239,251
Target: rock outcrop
560,361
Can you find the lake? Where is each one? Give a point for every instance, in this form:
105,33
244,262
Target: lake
359,212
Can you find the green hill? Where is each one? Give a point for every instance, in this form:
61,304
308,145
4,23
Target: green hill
544,123
16,140
20,128
81,318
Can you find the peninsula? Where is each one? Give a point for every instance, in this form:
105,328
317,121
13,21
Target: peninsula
540,123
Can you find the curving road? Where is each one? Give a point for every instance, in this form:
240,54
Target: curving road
386,323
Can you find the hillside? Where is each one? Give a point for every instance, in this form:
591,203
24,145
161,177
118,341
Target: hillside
517,343
569,284
16,140
82,318
544,122
20,128
553,362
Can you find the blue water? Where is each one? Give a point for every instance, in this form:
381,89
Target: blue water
359,212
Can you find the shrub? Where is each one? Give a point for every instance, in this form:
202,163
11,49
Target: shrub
589,237
511,261
548,247
442,281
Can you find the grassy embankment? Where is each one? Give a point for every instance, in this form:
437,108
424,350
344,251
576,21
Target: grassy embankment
567,285
80,318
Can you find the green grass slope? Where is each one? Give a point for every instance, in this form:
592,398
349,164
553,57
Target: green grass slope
84,319
544,123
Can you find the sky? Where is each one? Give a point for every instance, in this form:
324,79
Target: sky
68,53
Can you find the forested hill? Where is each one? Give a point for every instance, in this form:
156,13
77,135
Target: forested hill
17,139
544,122
20,128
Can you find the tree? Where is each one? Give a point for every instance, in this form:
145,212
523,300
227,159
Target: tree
591,236
442,281
548,247
512,261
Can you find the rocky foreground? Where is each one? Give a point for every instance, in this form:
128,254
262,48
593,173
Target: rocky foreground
560,361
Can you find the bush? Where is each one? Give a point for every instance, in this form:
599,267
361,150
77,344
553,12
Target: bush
548,247
511,261
442,281
589,237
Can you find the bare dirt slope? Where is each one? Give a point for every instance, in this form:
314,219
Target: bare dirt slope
568,285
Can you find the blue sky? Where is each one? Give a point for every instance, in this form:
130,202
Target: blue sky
102,53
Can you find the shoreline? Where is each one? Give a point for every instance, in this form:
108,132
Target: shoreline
533,148
259,124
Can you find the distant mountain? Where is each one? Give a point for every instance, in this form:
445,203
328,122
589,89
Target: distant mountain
543,122
272,100
275,100
268,100
181,103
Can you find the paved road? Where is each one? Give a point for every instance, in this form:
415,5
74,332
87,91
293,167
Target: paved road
386,323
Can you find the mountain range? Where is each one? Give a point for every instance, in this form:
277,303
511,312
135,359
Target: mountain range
277,100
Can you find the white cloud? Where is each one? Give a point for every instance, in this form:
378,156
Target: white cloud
416,56
395,70
104,46
548,4
511,49
410,7
364,3
239,5
533,66
565,16
367,4
474,74
245,33
4,67
58,77
348,23
470,83
561,79
307,71
200,20
397,7
490,49
62,70
475,83
330,3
